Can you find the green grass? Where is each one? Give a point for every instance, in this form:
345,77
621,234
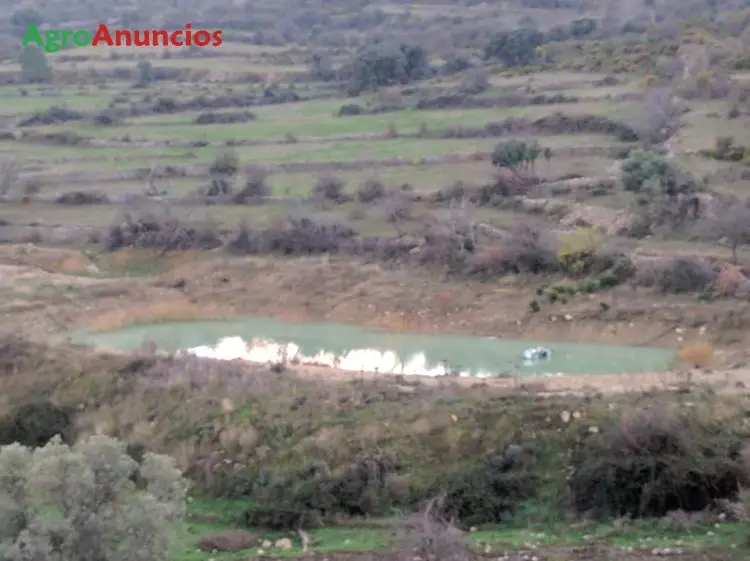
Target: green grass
206,517
420,177
318,119
312,152
11,103
52,214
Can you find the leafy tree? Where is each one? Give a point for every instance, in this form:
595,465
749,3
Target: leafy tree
515,48
89,502
384,65
547,153
516,155
533,151
34,66
322,67
145,72
647,170
581,27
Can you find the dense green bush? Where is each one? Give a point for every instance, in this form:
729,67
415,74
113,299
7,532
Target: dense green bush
81,503
515,48
35,424
387,65
490,492
647,462
315,496
647,170
487,492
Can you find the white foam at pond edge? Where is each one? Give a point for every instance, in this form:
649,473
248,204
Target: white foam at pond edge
264,351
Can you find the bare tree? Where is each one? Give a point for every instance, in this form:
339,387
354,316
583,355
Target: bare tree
8,176
151,181
658,117
731,225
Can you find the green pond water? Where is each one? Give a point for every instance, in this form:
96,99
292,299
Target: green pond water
466,354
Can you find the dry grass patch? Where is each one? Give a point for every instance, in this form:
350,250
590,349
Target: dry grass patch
50,260
158,312
699,355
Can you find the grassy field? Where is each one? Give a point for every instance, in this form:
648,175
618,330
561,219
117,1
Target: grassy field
369,536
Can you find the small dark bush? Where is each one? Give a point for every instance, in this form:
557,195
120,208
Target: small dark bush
647,462
255,187
330,188
398,207
455,192
351,109
35,424
165,105
489,493
82,198
436,539
313,497
210,118
58,138
226,163
371,190
677,276
160,232
106,119
293,236
526,250
52,116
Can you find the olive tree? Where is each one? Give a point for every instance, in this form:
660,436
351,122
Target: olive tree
89,502
647,170
517,156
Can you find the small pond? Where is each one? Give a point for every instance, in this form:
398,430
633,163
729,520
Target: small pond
474,355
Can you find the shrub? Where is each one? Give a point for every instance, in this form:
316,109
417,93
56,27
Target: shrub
699,355
437,539
316,496
491,491
387,64
330,188
351,109
82,502
647,462
398,207
210,118
82,198
255,187
35,424
515,48
157,231
526,250
578,249
371,190
645,169
474,82
226,163
729,281
677,276
293,236
53,116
